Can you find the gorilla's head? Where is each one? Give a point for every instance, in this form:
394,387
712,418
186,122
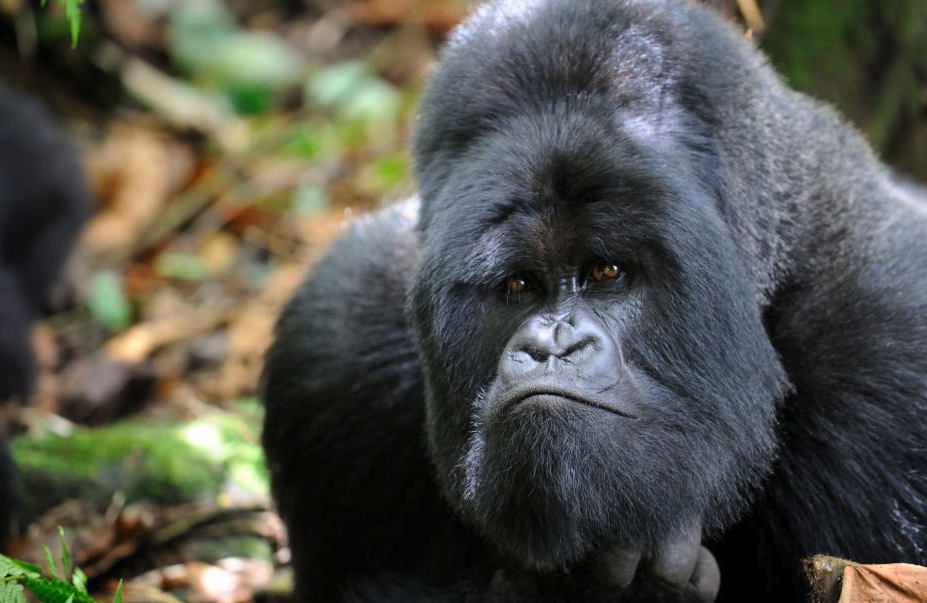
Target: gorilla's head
596,366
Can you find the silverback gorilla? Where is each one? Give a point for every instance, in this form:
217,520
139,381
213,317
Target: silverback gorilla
44,202
657,325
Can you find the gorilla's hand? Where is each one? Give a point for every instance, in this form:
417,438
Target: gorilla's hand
681,564
682,570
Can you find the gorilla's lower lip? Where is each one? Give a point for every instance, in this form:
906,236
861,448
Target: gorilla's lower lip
523,395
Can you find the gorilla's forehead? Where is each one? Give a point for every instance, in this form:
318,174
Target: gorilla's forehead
541,202
620,47
513,58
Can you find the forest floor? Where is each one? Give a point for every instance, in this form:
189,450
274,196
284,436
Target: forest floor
226,143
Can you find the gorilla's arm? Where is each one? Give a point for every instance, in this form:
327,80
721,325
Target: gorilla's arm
343,430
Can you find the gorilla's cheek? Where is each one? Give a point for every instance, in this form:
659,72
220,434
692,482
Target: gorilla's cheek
458,366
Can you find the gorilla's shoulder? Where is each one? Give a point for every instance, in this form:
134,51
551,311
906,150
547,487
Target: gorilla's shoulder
350,309
374,258
386,234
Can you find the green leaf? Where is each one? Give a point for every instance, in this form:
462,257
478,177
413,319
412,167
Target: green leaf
354,91
11,567
249,67
108,303
310,200
117,598
306,141
181,266
256,59
53,590
50,560
12,592
196,31
65,554
250,100
79,580
372,100
26,568
72,12
392,169
332,84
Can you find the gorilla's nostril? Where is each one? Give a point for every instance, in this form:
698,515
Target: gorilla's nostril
538,353
543,352
583,345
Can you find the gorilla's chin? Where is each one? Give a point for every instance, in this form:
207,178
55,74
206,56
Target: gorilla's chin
548,483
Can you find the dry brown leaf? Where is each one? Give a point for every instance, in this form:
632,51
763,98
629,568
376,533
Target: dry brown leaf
440,17
138,343
890,583
134,173
317,231
228,581
95,389
835,580
135,26
218,252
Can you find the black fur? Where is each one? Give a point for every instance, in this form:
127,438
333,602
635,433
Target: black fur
767,335
44,202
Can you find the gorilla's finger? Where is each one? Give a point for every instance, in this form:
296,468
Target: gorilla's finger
616,566
706,579
676,562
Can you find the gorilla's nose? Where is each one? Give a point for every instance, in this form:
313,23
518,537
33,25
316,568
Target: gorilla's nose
557,339
553,344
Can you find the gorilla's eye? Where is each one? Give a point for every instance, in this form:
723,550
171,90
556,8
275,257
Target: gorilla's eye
517,284
604,272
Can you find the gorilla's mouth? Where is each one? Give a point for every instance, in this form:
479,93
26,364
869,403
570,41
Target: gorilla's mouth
554,395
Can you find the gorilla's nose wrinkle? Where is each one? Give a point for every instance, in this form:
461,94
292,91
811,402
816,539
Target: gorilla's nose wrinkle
572,347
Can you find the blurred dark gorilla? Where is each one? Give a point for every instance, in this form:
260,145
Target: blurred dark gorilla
44,202
651,304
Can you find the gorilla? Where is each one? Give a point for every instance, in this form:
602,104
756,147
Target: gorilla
44,202
653,329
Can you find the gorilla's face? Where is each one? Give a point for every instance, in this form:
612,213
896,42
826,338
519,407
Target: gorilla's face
596,368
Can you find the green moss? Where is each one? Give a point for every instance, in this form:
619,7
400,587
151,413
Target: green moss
164,462
864,57
247,547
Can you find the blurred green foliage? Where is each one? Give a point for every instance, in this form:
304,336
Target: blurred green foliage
185,266
73,16
868,58
107,301
251,68
64,585
354,92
